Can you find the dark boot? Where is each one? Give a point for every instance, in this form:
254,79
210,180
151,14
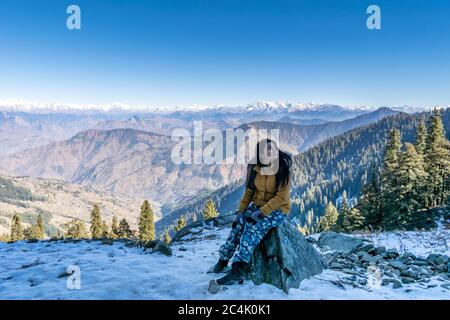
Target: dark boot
237,274
219,266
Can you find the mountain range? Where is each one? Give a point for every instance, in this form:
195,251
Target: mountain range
23,127
138,163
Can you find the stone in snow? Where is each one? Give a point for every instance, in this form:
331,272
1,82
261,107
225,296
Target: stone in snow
338,242
397,264
408,257
371,259
284,258
437,259
377,250
157,246
391,254
337,265
441,268
420,263
366,247
396,284
213,287
407,280
195,227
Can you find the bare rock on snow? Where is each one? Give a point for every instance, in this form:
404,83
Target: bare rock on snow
224,220
213,287
339,242
157,246
284,258
186,230
220,221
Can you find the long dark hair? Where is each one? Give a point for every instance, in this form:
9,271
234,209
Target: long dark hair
283,174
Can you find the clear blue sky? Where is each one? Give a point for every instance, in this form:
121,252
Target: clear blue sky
168,52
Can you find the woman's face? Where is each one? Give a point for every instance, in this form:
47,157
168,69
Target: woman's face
268,152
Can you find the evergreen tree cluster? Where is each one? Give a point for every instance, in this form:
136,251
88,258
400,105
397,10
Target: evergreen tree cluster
344,163
36,231
18,232
346,219
412,178
76,228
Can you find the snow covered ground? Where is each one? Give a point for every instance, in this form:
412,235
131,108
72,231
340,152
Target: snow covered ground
416,242
36,271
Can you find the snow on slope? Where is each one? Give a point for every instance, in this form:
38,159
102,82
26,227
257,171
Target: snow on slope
32,270
416,242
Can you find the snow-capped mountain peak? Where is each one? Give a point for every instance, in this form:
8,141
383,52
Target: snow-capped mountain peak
22,105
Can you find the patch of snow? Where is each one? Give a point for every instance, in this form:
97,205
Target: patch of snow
34,271
420,243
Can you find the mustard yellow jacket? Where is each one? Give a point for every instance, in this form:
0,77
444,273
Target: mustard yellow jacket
265,196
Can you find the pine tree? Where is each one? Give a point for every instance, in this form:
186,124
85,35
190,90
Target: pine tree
329,219
35,231
114,228
124,229
421,138
343,223
146,223
40,225
181,223
355,220
16,228
411,178
32,233
4,237
210,210
370,202
437,161
166,237
389,179
421,149
96,223
76,229
105,230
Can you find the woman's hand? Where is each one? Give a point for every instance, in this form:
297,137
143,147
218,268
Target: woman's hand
255,217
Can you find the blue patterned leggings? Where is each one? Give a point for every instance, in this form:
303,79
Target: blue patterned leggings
248,235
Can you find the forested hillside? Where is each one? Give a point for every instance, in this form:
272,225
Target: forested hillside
343,163
58,202
9,192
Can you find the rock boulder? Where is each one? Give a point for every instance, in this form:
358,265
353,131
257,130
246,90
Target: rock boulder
284,258
338,242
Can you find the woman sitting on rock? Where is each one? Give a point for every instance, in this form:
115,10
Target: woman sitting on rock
265,204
